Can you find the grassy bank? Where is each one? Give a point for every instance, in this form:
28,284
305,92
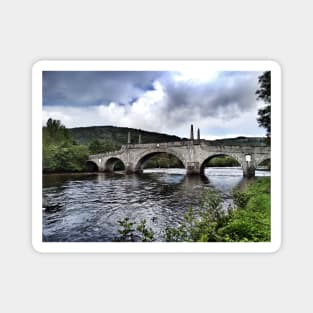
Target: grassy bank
248,221
251,220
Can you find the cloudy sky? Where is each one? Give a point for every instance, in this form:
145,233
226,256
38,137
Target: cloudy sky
221,104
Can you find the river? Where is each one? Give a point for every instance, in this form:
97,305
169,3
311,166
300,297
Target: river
87,207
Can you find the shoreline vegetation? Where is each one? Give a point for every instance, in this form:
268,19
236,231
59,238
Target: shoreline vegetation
248,221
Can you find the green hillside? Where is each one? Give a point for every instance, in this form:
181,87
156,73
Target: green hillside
240,141
117,135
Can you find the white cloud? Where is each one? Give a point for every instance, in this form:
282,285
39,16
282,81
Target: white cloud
224,108
56,114
150,116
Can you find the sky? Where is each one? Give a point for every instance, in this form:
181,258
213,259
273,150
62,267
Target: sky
222,104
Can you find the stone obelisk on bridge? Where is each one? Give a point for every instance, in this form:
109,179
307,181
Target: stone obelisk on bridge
191,132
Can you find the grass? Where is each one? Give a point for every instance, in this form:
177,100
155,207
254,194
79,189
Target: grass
250,222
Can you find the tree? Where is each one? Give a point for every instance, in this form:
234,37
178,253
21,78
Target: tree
60,152
55,131
97,146
264,94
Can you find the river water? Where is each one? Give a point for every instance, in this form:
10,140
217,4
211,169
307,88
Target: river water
87,207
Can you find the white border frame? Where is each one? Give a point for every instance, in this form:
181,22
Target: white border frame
170,247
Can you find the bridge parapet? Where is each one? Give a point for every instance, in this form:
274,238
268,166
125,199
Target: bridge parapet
209,143
161,145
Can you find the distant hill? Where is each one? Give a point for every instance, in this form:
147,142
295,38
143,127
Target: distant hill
240,141
117,135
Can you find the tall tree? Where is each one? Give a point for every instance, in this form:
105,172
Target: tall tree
264,94
55,131
60,152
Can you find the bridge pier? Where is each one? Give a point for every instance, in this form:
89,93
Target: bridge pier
129,168
248,170
193,168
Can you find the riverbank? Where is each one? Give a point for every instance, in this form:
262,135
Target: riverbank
248,221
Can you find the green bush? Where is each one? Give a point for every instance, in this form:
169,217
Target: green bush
59,151
203,227
126,230
240,198
129,233
64,157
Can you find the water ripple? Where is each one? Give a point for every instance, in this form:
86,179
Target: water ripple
81,208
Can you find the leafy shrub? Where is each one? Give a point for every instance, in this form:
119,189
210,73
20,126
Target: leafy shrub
145,233
60,152
126,230
129,233
240,198
203,227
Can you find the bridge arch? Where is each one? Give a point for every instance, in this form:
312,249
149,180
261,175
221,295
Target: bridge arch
212,156
263,159
264,163
92,166
111,163
144,157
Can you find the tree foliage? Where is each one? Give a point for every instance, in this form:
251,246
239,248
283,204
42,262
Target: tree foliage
202,227
97,146
55,133
163,160
59,150
128,232
264,94
221,161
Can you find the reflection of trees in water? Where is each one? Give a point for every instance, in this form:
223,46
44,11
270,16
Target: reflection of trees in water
265,165
180,184
56,180
162,160
192,181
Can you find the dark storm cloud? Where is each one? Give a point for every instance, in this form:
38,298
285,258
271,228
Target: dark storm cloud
226,96
77,88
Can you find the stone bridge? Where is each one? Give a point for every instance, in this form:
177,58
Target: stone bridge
192,153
